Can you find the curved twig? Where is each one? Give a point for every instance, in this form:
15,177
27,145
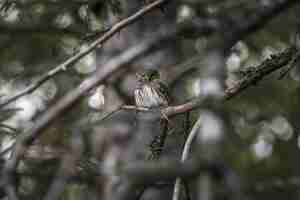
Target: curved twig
185,154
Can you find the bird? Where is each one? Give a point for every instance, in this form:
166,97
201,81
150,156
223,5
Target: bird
151,92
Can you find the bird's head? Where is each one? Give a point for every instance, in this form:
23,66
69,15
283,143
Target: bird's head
148,75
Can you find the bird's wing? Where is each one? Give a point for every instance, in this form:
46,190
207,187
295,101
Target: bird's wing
162,89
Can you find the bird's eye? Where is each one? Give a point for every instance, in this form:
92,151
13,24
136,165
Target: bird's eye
154,76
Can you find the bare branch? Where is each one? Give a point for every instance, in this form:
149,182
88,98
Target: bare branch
26,138
185,155
268,66
83,52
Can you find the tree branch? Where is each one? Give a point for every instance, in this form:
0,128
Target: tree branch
83,52
185,155
26,138
268,66
251,78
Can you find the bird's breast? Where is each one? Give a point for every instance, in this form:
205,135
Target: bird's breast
147,96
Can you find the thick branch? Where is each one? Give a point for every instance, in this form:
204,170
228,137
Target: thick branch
259,72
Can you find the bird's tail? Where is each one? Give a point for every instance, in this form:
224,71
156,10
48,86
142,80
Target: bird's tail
157,144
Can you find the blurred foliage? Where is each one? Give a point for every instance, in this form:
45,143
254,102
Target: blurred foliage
263,142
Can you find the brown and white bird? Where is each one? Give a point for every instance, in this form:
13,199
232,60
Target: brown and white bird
151,92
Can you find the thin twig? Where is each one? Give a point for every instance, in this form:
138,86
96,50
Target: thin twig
84,51
5,126
185,155
187,126
106,116
277,61
119,108
6,150
25,139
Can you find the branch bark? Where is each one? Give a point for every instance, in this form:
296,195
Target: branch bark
259,72
185,155
83,52
26,138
